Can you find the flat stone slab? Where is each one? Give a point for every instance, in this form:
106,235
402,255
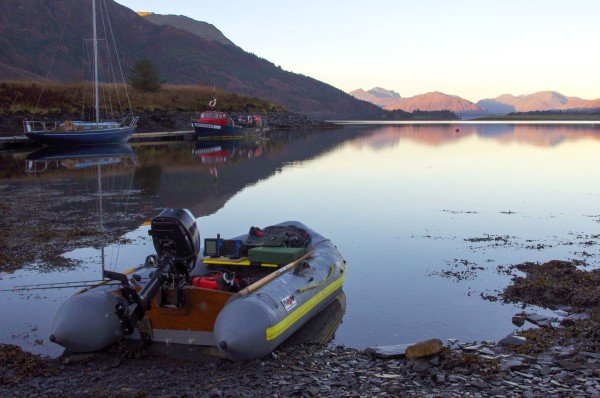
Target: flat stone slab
388,351
540,320
512,340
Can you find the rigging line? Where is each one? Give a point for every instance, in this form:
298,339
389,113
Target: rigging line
110,38
119,64
52,61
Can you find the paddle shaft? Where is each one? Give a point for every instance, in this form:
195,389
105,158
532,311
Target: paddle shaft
273,275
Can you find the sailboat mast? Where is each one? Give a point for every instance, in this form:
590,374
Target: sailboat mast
97,104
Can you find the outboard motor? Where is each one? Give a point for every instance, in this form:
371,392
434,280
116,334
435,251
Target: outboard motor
176,239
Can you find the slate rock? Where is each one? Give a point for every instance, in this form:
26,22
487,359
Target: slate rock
421,365
388,351
540,320
513,340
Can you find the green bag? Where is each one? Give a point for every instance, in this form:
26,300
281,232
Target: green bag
275,255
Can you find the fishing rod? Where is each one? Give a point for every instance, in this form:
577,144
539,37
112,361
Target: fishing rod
66,285
150,260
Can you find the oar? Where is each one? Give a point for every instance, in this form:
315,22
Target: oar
261,282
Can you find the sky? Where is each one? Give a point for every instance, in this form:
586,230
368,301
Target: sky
475,49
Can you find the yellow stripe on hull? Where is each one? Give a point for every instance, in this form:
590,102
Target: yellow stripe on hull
276,330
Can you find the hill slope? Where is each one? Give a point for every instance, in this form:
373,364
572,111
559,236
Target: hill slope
30,31
198,28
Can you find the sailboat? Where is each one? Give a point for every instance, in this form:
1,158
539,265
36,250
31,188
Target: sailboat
80,132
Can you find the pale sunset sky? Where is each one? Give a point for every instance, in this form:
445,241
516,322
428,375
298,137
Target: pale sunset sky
475,49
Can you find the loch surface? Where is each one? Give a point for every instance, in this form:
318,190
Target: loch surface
427,216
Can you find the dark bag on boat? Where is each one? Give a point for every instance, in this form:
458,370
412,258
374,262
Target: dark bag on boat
278,235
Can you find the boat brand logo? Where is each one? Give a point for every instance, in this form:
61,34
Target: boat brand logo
289,302
208,126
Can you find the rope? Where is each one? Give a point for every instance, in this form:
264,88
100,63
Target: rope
309,287
331,271
112,35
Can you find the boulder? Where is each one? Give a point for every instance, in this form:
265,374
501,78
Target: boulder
518,320
424,348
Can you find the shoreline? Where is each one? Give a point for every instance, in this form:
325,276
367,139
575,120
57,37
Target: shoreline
557,358
164,121
479,369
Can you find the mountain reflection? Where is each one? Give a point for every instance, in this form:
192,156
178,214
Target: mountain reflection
539,135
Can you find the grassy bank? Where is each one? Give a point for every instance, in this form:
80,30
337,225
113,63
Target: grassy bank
70,98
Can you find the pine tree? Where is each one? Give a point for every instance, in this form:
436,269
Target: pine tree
144,76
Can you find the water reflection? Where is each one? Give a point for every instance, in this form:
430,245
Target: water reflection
403,203
78,157
218,152
107,162
71,197
445,134
322,327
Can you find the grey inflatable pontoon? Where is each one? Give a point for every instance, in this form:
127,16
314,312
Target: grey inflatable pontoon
244,295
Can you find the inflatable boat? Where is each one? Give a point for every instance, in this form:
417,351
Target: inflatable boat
244,295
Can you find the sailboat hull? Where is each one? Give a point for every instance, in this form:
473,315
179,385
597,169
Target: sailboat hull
85,137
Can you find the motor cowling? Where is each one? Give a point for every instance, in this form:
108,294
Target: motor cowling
174,232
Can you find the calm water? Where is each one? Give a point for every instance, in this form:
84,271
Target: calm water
407,205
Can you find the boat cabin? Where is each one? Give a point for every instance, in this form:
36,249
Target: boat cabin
214,117
78,125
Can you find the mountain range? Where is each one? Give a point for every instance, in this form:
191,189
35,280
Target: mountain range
40,39
501,105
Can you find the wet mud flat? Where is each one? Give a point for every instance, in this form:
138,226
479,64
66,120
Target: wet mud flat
38,230
560,357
